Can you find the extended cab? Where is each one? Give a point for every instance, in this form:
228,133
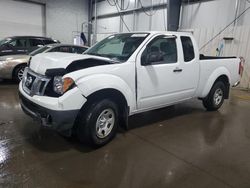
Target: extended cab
94,93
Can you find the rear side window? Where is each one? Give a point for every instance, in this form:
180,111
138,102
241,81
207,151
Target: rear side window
65,49
35,42
61,49
47,41
78,50
188,48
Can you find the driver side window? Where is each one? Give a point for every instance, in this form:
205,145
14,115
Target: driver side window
161,50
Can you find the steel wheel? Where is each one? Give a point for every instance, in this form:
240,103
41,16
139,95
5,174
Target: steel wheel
105,123
218,96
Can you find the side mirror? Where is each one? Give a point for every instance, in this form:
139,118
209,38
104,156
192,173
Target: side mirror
151,58
39,45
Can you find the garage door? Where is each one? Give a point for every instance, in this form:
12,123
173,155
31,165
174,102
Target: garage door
21,18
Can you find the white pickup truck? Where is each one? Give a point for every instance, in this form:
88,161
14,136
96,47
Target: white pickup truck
125,74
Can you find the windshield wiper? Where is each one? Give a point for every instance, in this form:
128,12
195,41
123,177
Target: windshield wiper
112,59
95,54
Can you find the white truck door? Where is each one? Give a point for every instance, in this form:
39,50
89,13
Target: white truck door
162,75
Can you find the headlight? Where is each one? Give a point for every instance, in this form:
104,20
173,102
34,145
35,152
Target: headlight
61,85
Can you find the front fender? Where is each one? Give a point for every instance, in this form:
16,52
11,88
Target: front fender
93,83
213,77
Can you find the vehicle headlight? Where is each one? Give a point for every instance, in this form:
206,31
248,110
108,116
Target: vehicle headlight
61,85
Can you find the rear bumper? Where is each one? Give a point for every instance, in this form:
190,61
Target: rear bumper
58,120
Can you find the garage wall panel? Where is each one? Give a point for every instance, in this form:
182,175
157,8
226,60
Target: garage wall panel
21,18
65,17
239,46
142,21
206,19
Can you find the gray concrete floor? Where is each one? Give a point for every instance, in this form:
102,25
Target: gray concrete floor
178,146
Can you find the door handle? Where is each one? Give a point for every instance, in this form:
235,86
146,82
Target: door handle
177,70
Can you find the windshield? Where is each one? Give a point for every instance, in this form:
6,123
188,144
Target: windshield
118,47
4,41
39,50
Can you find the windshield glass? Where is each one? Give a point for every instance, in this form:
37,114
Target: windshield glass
118,47
4,41
39,50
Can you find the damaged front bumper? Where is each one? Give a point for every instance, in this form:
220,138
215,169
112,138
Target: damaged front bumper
57,113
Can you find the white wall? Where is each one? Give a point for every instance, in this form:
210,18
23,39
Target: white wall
21,18
64,17
214,13
208,18
142,21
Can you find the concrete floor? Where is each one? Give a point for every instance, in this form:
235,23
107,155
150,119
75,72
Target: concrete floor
179,146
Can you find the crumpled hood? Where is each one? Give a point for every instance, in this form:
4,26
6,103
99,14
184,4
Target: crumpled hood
55,60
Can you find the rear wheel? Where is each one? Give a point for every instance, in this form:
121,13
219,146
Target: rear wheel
18,73
216,97
97,124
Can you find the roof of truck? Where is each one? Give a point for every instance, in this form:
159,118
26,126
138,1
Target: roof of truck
181,33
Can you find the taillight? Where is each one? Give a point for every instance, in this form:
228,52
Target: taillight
241,66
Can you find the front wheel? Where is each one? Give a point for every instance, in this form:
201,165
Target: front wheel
97,124
216,97
18,73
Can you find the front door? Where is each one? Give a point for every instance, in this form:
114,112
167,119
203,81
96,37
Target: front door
161,75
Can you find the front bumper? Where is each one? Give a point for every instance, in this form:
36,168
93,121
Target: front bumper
58,120
56,113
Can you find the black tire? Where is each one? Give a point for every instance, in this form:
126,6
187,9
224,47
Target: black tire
86,124
212,102
17,73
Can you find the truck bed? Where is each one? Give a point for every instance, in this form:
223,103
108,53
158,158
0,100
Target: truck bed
212,67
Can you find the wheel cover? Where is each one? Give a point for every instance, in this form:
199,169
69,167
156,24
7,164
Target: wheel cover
218,96
105,123
20,74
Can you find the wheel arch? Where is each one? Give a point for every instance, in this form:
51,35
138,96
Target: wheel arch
117,97
221,74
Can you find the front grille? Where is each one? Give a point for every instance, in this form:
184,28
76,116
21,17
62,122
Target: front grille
33,83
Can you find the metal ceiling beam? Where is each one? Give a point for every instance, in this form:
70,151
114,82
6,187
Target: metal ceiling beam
40,2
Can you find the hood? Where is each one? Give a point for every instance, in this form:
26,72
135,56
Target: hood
57,60
15,57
